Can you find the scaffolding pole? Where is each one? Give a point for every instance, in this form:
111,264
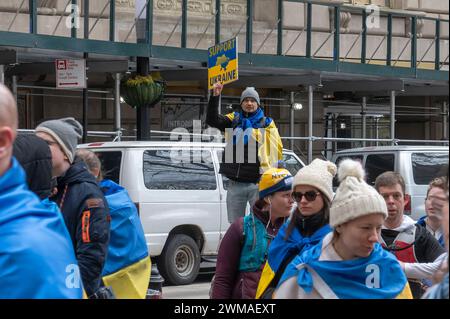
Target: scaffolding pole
292,118
445,120
363,118
310,122
392,115
2,74
117,119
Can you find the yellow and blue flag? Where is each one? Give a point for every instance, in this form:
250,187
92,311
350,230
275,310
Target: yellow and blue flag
282,248
127,268
378,276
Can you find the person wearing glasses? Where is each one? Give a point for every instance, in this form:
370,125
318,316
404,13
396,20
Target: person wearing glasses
243,250
313,192
81,201
348,263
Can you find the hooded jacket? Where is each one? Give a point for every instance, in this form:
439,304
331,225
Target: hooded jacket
36,256
35,157
86,215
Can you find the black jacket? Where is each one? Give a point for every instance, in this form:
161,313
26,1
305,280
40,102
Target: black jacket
426,247
240,171
86,215
34,155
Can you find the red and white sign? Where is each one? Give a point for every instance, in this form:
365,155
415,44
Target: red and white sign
70,73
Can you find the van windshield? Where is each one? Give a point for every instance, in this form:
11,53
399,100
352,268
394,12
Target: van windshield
427,166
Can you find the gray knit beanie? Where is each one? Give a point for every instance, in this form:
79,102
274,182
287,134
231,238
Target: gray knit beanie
65,131
250,92
354,197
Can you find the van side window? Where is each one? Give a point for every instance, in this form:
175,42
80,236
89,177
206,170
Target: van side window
110,164
339,159
179,169
427,166
292,164
376,164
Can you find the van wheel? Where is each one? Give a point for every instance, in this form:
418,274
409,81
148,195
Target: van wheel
180,260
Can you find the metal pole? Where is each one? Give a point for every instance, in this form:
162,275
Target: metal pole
85,56
117,118
217,31
445,120
310,122
363,118
392,116
249,41
2,73
14,86
292,121
142,113
335,131
184,14
329,144
376,130
280,28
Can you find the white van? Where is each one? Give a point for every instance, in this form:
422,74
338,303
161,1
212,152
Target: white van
180,196
417,164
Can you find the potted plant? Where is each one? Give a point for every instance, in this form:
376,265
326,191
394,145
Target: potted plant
141,91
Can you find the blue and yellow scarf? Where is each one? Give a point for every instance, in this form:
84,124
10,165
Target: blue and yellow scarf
351,279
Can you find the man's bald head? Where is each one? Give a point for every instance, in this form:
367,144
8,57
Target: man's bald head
8,108
8,127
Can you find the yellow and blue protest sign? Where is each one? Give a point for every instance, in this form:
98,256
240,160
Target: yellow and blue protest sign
223,63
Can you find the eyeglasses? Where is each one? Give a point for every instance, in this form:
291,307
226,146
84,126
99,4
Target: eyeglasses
310,196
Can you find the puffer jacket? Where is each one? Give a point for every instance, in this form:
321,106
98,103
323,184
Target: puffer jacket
86,215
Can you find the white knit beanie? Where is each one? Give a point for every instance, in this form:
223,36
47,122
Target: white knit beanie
354,197
318,174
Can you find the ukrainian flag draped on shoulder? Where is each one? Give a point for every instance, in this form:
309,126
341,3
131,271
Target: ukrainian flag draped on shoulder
128,266
37,260
266,134
281,248
378,276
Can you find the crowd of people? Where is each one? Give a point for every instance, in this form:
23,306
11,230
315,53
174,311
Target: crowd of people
354,243
64,232
300,239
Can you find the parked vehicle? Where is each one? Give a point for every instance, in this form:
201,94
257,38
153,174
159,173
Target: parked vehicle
417,164
180,195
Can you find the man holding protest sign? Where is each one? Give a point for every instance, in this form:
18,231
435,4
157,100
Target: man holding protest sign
253,146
